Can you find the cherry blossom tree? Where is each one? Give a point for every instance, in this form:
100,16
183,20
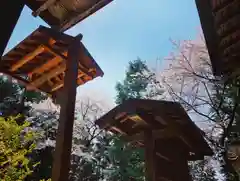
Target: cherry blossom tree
209,100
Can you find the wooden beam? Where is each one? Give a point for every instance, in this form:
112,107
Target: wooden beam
114,128
123,119
57,78
138,121
49,64
62,154
119,115
186,141
20,80
157,134
50,82
79,81
57,87
43,7
173,129
61,83
87,71
54,72
161,120
163,157
55,52
150,156
30,56
27,58
58,35
70,22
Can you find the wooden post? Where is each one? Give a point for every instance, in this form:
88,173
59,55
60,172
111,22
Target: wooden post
9,15
63,147
150,155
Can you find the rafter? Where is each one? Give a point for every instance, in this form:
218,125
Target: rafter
61,83
55,52
118,130
157,134
52,73
49,64
162,156
79,81
27,58
50,82
56,87
30,56
20,80
45,5
57,78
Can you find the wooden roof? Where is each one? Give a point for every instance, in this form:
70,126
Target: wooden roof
220,21
39,61
168,120
63,14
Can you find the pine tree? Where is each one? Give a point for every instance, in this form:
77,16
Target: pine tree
140,82
127,162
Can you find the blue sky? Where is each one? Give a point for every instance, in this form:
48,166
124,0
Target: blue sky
123,31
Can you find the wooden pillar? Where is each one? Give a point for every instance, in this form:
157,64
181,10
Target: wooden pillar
63,147
176,167
9,15
150,156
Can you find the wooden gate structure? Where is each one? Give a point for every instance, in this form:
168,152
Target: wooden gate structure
164,130
50,61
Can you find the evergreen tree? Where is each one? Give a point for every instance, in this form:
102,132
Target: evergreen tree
140,82
13,97
127,162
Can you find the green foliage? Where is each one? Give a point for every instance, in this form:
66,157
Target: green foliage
128,162
13,96
139,82
8,89
16,142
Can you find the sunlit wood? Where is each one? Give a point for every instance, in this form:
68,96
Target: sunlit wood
55,52
27,58
118,130
30,56
157,134
49,64
60,84
52,73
